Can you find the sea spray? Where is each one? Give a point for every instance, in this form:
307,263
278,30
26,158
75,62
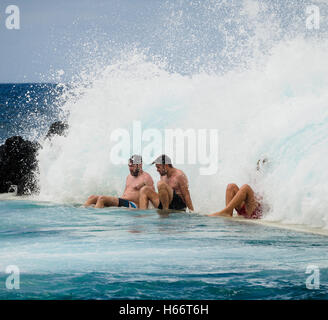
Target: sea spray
267,98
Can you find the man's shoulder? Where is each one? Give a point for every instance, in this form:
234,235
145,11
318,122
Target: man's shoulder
179,173
146,174
180,176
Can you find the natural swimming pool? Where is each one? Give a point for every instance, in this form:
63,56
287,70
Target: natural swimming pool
69,252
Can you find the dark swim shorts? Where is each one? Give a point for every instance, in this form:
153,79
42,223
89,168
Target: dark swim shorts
176,204
126,203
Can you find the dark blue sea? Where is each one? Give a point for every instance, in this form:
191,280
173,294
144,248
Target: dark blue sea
28,109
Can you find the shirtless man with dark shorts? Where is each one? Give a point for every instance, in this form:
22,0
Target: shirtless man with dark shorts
173,191
243,200
136,180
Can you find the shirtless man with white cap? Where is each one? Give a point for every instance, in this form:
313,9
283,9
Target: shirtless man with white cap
173,191
134,182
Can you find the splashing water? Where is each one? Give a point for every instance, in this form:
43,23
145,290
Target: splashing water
264,92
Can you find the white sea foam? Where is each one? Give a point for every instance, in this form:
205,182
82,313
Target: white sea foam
274,106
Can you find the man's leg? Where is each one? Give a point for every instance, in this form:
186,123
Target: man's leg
148,194
104,201
165,193
244,194
91,200
231,191
250,202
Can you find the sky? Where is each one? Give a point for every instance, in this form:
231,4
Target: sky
51,32
62,36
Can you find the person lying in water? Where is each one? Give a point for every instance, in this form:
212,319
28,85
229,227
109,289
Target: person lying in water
173,191
134,182
243,200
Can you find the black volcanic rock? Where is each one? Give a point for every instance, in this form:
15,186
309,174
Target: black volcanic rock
17,165
18,161
60,128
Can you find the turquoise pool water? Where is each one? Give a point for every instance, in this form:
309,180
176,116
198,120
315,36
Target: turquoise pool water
69,252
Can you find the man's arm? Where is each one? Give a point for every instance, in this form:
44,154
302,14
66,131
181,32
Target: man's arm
126,183
126,186
185,192
148,181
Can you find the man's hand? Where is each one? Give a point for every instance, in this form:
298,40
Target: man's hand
140,185
183,184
